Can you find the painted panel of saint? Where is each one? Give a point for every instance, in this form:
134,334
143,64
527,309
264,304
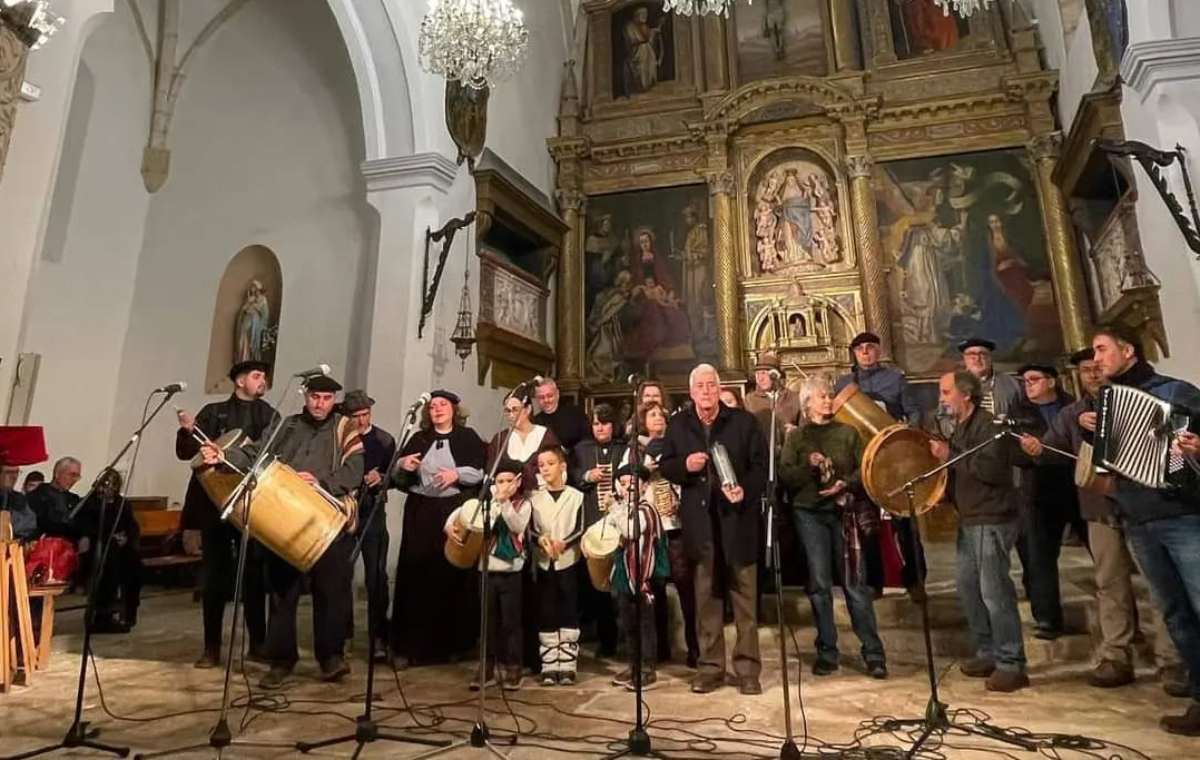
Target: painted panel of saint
920,27
648,282
968,252
643,42
779,37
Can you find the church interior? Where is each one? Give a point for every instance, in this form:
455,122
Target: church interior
481,216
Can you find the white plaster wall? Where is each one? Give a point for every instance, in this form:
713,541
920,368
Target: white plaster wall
266,143
79,305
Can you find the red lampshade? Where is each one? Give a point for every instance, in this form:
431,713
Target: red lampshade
22,445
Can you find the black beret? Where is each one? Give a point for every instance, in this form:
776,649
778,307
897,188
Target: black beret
1082,355
864,337
322,384
356,401
509,465
1045,369
972,342
250,365
449,396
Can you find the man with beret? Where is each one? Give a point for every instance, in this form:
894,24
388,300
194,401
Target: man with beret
758,401
205,532
1001,391
379,447
1116,604
325,449
1055,503
886,386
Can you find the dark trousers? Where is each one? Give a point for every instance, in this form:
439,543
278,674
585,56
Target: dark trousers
681,576
221,542
332,580
597,607
741,584
122,572
374,559
504,635
558,598
1039,546
627,604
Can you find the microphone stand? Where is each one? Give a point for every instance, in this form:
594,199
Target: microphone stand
78,734
936,720
638,744
788,750
480,737
220,736
366,730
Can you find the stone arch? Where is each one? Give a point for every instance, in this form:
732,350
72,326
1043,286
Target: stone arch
255,263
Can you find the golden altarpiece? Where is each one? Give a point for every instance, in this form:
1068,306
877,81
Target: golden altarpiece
800,171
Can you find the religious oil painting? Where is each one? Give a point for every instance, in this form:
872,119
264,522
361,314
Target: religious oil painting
648,304
795,218
780,37
643,48
921,27
968,257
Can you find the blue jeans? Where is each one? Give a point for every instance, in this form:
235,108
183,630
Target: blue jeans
988,595
821,535
1168,552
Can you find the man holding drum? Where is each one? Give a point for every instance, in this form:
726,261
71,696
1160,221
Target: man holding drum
326,451
204,531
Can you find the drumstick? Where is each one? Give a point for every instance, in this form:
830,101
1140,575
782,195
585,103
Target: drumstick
203,439
796,366
1049,447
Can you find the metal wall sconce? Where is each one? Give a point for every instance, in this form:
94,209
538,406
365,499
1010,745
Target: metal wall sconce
1153,161
445,236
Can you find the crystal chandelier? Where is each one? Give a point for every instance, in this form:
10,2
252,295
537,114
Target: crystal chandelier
33,21
964,8
476,42
700,7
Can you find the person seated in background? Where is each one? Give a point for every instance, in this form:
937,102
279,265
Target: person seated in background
122,569
24,521
52,502
33,479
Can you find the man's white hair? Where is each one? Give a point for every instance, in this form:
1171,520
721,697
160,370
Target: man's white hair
700,370
66,461
548,381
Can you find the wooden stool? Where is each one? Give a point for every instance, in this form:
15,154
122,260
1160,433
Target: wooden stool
14,594
47,594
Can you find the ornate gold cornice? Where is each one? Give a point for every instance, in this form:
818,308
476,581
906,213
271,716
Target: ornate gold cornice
832,98
657,147
1039,86
943,109
568,148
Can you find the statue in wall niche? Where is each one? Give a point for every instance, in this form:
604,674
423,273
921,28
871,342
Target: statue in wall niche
253,325
795,220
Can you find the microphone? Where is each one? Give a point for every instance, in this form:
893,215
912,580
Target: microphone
320,369
421,401
173,388
776,377
634,379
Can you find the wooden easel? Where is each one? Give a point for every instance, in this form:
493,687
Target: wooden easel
15,647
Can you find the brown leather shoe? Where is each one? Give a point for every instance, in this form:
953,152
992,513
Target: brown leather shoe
1110,674
708,682
977,667
210,659
1174,680
1007,680
749,686
1187,724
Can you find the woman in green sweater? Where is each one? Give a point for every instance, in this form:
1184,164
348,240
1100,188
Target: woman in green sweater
820,467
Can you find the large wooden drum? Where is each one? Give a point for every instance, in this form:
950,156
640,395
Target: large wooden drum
892,458
858,410
219,481
599,546
469,528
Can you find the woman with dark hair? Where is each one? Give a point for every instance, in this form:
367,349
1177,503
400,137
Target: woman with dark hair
526,440
122,568
652,421
595,463
434,606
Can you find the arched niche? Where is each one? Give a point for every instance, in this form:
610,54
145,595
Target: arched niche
240,327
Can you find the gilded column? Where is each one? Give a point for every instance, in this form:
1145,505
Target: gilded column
12,73
569,322
1069,291
729,339
870,250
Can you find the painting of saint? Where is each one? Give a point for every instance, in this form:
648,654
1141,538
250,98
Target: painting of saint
652,308
967,239
794,218
643,49
780,37
920,27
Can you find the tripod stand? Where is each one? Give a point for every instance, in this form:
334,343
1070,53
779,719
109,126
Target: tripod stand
638,743
936,720
788,750
78,734
480,738
366,730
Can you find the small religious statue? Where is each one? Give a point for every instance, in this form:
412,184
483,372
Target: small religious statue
249,339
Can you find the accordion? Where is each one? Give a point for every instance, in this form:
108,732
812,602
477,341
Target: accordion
1134,432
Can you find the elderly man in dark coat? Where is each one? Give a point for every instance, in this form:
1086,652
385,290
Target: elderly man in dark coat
720,523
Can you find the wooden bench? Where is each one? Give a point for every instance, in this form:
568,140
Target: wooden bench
161,539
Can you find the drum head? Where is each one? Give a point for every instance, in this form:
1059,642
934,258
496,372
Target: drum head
891,459
600,540
471,515
227,440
